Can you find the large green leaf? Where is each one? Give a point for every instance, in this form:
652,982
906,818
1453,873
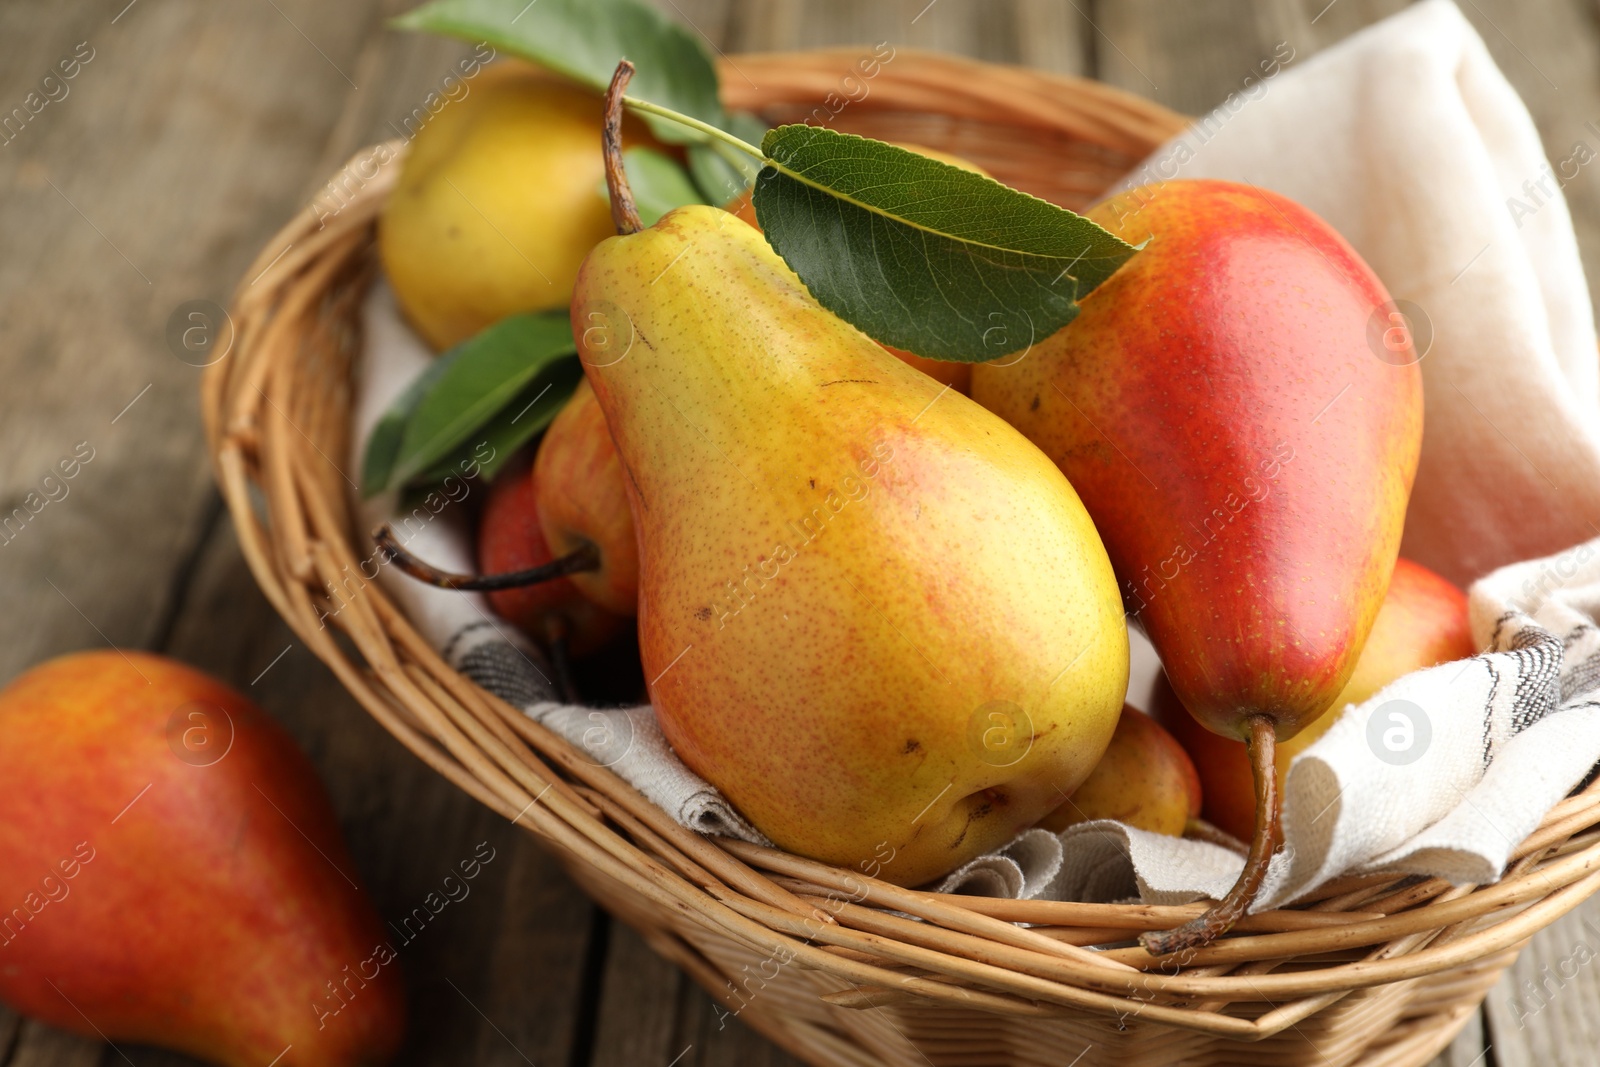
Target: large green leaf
922,255
383,443
481,377
493,444
584,39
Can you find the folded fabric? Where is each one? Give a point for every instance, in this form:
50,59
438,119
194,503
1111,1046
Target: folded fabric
1442,773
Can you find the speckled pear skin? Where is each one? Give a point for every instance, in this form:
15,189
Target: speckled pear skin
1245,453
871,613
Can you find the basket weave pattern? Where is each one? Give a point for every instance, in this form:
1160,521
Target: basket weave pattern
1375,970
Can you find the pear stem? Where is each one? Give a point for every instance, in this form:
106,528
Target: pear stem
624,212
1206,928
713,132
585,558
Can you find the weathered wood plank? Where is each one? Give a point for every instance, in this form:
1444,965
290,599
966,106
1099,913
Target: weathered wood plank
42,1046
638,1018
652,1013
1467,1050
1187,56
147,185
984,30
1543,1011
1054,36
139,185
188,173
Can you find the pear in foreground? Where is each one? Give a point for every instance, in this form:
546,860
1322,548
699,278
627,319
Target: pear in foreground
871,613
176,876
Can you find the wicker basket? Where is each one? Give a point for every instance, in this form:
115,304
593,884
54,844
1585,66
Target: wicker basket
825,962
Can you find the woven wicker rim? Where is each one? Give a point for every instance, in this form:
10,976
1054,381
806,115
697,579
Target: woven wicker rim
276,409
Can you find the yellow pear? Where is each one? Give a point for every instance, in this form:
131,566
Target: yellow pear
1145,780
498,201
871,612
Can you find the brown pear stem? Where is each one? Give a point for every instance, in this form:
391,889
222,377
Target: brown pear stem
584,558
624,212
1219,919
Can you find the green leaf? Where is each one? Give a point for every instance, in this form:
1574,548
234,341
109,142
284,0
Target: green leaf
584,39
383,443
922,255
715,175
659,183
493,445
722,174
484,375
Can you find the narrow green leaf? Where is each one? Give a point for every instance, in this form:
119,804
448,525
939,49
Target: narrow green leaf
485,374
492,445
922,255
383,443
584,39
659,183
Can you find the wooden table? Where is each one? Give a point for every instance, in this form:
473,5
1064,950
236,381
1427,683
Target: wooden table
193,132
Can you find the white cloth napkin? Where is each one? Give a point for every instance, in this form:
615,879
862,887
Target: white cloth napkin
1409,141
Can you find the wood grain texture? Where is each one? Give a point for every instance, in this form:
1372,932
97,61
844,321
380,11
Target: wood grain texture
193,165
1543,1010
651,1014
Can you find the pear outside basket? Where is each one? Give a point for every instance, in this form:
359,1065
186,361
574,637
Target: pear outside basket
824,961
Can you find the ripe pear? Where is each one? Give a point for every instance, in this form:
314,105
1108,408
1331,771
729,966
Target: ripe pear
1145,780
497,202
510,538
955,374
1423,622
1245,451
871,613
171,873
582,500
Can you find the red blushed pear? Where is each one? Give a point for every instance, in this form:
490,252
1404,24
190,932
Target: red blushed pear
583,502
172,874
1423,622
573,532
1246,453
511,538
